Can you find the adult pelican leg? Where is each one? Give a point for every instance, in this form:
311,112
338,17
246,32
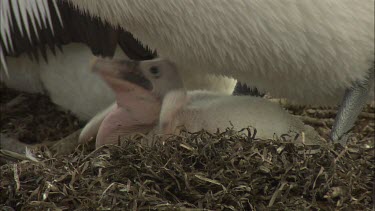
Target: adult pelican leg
354,100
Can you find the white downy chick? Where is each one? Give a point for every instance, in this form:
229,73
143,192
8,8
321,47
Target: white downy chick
196,110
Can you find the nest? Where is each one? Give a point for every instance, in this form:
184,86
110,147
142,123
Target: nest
33,118
201,171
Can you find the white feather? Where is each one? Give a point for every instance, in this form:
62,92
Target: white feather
29,5
43,12
35,10
66,78
304,50
48,15
3,66
23,8
5,30
16,11
57,12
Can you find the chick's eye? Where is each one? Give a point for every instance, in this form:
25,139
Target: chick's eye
155,71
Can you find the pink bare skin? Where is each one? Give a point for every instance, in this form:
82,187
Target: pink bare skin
121,122
91,129
137,109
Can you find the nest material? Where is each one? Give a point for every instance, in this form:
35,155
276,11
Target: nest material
200,171
33,118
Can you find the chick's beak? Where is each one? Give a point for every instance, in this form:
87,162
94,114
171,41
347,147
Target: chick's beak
122,69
